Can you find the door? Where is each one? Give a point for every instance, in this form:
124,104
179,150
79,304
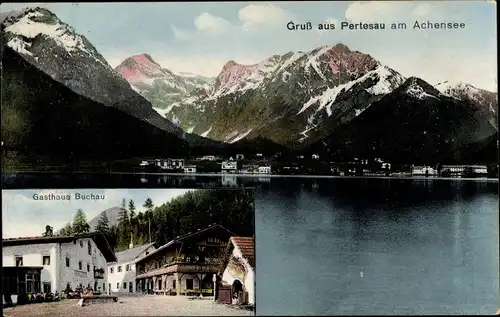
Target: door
130,287
46,287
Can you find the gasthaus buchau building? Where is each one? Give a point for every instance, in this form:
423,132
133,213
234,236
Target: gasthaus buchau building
186,265
54,263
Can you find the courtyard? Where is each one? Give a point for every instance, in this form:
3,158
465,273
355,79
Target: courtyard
144,305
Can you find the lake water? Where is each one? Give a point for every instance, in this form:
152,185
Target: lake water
358,246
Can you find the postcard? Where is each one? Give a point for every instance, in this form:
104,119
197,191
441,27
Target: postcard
135,252
362,136
278,88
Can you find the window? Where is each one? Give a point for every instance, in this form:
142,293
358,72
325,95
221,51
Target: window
46,287
67,262
117,285
81,244
124,285
88,267
119,268
80,265
111,270
46,260
127,268
19,261
189,283
32,283
89,246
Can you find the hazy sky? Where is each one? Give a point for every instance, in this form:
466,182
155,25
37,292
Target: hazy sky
24,216
202,37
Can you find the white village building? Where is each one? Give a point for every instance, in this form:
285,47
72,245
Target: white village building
229,167
423,170
122,272
59,262
265,169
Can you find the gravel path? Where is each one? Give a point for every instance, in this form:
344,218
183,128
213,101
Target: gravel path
147,305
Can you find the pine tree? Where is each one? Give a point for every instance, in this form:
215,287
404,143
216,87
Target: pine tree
131,208
67,230
103,224
123,215
148,204
80,224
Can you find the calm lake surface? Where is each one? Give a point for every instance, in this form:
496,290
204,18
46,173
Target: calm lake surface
362,247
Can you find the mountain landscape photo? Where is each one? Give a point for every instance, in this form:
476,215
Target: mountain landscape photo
64,102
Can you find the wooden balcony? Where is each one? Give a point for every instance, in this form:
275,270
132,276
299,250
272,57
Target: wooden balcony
180,267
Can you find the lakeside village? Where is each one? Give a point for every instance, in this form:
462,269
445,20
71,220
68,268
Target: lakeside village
210,263
301,165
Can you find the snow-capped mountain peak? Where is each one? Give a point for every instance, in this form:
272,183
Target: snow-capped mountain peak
56,48
159,85
463,91
451,88
419,89
232,76
24,29
340,58
142,68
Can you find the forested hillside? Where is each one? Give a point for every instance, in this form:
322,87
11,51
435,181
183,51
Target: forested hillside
233,209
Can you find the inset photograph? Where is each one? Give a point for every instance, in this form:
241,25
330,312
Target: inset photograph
128,252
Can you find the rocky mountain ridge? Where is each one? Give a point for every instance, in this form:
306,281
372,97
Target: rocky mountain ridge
159,85
298,98
54,47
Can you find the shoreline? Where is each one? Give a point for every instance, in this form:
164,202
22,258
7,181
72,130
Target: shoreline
240,175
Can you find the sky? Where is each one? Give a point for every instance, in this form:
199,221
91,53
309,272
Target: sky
23,216
201,37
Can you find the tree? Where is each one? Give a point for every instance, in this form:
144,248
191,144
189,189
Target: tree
148,204
131,209
67,230
80,224
123,215
49,231
103,224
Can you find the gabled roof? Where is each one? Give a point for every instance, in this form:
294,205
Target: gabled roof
99,239
131,254
245,245
182,238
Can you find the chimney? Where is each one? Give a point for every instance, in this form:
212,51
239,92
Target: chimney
131,245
